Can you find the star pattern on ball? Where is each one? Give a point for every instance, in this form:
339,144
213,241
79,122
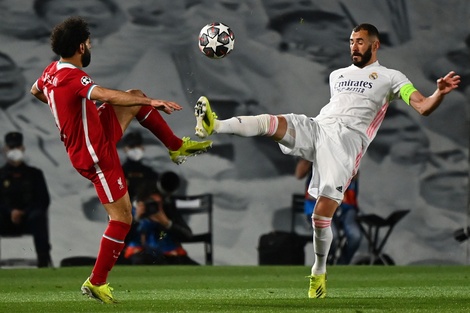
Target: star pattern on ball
216,40
224,28
213,43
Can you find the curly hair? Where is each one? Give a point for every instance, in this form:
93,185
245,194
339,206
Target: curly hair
67,36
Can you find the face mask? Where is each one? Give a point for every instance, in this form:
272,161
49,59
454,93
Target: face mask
135,154
15,155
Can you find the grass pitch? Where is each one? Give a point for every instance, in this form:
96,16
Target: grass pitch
357,289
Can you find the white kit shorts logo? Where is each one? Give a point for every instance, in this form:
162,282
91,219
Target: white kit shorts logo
86,80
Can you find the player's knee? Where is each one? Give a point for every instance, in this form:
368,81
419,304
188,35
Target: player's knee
136,92
120,210
267,124
285,133
125,216
319,221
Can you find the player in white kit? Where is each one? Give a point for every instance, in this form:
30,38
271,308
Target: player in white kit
336,139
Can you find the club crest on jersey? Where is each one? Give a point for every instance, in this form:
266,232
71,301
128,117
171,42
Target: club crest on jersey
121,185
373,75
86,80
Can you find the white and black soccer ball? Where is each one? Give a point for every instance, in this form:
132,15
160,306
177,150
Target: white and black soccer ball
216,40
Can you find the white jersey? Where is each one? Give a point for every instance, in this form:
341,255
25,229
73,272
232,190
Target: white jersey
360,97
336,139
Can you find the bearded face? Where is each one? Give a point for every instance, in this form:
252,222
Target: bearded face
86,57
361,59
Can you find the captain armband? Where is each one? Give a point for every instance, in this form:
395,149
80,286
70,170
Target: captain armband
406,91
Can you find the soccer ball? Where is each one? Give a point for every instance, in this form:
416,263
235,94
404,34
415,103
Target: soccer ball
216,40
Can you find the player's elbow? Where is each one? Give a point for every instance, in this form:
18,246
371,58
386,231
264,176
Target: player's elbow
422,107
425,111
34,90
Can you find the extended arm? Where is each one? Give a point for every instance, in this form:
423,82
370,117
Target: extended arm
122,98
119,98
426,105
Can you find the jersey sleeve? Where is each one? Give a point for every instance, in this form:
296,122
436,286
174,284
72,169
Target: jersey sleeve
81,83
398,80
39,84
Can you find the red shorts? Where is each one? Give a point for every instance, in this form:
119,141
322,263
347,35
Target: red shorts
107,175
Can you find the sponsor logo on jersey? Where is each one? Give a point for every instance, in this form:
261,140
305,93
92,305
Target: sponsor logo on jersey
339,188
358,86
86,80
353,83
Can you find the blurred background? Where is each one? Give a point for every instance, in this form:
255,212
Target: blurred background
284,52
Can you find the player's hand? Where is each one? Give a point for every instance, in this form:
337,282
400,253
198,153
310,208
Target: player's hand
17,216
166,106
448,83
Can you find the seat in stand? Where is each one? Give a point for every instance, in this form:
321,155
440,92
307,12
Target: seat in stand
371,226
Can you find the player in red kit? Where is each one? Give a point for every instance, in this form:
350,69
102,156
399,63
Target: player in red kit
90,135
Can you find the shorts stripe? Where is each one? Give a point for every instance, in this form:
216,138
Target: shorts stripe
104,183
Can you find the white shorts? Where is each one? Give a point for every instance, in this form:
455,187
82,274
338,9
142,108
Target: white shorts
334,150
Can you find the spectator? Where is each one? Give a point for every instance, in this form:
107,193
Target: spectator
136,172
160,228
24,199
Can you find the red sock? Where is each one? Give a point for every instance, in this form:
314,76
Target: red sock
151,119
111,245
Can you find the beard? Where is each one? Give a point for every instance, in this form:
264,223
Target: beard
365,58
86,57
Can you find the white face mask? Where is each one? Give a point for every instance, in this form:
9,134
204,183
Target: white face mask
135,154
15,155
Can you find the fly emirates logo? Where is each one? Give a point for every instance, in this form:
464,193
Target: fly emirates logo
358,86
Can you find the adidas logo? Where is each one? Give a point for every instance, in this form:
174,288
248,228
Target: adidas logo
339,188
340,76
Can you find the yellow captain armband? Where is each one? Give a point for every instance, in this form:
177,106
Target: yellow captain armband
406,91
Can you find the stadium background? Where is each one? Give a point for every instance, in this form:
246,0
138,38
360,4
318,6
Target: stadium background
415,163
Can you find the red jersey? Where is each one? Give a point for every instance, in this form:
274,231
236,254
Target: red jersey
68,90
89,133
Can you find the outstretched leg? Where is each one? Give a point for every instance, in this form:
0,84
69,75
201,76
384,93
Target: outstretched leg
245,126
150,118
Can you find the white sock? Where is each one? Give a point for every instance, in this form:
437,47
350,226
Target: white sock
322,238
248,126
